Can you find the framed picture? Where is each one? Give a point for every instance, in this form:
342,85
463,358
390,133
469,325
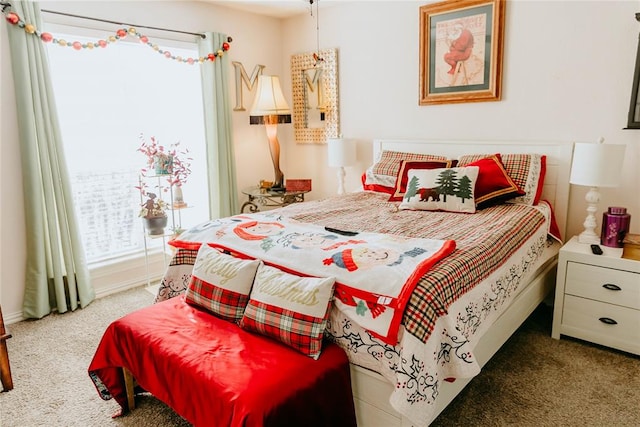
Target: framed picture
461,46
634,108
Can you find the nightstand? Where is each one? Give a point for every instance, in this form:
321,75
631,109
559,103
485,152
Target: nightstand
597,297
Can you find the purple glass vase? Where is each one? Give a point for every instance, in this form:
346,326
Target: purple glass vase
615,225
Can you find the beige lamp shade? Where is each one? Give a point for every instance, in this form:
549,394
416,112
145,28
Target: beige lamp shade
269,100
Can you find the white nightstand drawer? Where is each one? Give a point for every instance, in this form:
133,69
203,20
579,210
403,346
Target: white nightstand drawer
603,284
594,321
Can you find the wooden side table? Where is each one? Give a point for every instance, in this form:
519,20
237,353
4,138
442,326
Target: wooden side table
5,369
260,197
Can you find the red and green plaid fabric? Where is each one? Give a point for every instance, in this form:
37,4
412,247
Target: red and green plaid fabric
184,256
526,171
224,303
484,240
299,331
389,163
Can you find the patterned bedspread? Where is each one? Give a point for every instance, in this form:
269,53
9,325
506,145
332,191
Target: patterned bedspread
484,241
497,249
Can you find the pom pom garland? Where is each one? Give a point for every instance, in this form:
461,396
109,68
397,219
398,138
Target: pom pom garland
13,19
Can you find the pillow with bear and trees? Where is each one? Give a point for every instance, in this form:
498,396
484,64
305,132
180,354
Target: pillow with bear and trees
449,189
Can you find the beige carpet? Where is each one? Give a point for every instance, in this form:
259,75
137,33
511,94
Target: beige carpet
532,381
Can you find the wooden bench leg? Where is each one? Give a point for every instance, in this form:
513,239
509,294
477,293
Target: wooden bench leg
129,387
5,368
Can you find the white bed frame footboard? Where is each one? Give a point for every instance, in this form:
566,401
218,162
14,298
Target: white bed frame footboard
371,391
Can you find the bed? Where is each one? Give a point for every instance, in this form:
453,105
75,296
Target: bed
412,349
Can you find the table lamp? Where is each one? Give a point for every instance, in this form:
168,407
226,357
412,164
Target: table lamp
342,152
595,165
270,108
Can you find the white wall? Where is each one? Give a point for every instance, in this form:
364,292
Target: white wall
568,67
568,70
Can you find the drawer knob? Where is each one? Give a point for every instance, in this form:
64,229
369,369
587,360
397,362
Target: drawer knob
608,321
612,287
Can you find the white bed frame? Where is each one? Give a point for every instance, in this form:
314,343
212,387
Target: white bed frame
371,391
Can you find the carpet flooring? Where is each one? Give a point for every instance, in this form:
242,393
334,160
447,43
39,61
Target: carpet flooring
533,380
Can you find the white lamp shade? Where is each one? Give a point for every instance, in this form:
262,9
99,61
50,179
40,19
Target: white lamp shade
269,99
342,152
597,164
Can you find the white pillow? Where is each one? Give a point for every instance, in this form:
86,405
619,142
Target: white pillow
221,283
450,189
291,309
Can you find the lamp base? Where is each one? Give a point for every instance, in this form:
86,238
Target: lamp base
341,175
277,189
588,238
589,234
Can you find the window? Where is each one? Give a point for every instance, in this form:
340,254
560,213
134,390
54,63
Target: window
108,97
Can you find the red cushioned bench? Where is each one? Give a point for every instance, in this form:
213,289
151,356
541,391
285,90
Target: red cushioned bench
212,372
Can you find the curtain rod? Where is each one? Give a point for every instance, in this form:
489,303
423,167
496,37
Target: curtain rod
122,23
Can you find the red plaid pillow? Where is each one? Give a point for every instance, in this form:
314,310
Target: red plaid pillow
494,183
221,283
381,176
291,309
526,170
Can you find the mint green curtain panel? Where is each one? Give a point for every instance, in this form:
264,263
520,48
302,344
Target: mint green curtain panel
223,195
57,276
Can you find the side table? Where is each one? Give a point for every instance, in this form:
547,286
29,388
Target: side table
597,297
258,197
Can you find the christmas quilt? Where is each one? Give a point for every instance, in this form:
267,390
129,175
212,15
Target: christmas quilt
375,273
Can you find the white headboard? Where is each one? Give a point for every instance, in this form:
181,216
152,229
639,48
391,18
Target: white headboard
559,154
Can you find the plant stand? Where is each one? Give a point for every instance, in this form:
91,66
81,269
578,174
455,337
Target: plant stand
172,222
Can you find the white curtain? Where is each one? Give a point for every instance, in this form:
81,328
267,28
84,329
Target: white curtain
223,197
57,276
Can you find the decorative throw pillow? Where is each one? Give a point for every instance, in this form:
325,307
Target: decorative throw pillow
403,174
494,183
526,170
381,176
449,189
221,283
290,309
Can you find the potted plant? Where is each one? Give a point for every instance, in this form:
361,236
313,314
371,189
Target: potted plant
153,211
171,161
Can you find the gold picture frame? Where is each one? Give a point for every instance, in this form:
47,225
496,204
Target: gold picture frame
461,49
634,106
315,94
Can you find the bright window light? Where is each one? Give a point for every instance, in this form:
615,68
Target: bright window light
107,98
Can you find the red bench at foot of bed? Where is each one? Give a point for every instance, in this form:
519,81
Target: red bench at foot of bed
213,373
